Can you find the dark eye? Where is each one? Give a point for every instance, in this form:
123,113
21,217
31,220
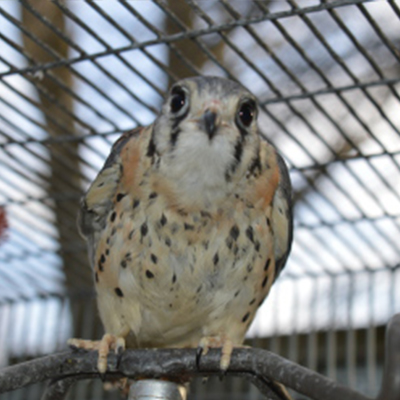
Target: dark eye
246,113
178,100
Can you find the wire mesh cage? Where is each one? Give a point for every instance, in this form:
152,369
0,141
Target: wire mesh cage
75,74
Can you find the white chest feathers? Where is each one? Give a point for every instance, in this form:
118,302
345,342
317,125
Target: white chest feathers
197,168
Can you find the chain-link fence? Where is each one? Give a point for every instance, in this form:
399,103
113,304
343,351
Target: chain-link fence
75,74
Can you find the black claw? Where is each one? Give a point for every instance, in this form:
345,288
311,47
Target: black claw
102,377
199,352
120,351
224,373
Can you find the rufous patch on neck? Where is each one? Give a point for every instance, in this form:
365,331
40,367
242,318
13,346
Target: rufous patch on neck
269,179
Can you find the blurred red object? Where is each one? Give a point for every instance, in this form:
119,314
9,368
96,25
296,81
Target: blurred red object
3,223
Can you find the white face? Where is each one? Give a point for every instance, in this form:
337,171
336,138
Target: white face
207,136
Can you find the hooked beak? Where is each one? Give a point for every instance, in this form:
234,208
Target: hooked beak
209,120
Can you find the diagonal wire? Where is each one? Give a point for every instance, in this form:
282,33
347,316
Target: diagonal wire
241,54
112,77
161,67
395,52
187,35
196,37
54,54
332,90
160,36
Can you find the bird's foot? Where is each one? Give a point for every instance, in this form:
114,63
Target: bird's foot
208,342
103,346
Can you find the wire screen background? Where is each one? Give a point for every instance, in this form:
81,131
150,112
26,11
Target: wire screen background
75,74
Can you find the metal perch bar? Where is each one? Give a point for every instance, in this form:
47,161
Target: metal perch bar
259,366
176,364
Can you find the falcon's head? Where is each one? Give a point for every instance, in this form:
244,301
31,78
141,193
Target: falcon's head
207,136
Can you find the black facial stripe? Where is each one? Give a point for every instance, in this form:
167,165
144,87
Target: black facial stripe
255,165
175,130
238,150
174,136
243,131
151,149
238,157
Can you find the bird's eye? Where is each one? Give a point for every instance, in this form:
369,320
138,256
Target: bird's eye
246,113
178,100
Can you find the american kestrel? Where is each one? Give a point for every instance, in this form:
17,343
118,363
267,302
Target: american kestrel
188,224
